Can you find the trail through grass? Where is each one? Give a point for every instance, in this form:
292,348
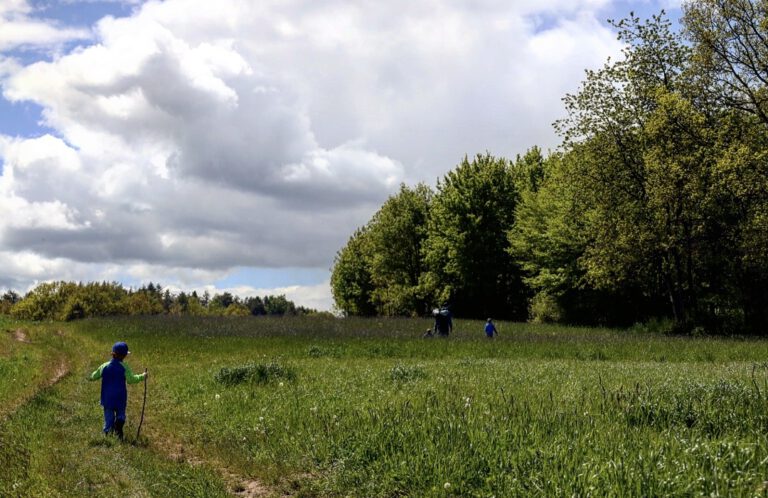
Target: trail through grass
323,407
50,436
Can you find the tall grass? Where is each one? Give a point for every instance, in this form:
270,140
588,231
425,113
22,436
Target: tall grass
328,407
50,434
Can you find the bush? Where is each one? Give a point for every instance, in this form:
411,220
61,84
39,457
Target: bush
544,308
661,326
257,373
316,351
236,309
405,373
44,302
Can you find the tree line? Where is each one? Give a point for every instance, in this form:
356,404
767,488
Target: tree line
71,301
655,206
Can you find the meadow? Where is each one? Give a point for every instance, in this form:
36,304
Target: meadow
318,406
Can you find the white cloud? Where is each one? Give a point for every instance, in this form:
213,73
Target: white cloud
17,28
197,136
316,297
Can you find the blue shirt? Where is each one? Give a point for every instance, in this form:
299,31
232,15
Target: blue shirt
114,374
490,328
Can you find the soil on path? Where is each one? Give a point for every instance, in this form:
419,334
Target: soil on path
237,485
21,336
57,372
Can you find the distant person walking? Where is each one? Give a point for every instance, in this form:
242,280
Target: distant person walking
443,322
114,375
490,329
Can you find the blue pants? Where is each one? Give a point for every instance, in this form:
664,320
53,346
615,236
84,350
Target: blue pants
110,415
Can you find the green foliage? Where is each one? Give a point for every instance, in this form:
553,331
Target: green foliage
257,373
466,248
236,309
47,301
351,282
731,54
529,170
407,373
609,128
654,326
318,351
222,301
379,270
550,237
278,305
144,302
69,301
545,308
641,208
396,234
7,301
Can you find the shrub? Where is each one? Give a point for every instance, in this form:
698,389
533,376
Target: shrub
44,302
661,326
257,373
316,351
406,373
544,308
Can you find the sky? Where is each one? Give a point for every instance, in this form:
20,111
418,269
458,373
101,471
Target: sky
236,145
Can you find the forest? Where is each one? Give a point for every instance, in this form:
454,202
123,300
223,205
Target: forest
654,208
71,301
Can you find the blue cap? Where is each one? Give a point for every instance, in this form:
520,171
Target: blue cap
121,348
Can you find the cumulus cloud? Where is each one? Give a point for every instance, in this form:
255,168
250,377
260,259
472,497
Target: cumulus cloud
193,137
311,296
18,29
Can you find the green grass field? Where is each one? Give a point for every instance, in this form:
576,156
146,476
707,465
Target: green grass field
330,407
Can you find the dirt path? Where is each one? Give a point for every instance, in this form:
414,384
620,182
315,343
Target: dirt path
237,485
248,487
21,336
57,373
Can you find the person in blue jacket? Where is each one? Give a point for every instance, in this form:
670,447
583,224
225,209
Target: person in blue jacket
490,329
114,375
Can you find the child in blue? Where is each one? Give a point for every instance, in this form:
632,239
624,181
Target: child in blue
114,396
490,329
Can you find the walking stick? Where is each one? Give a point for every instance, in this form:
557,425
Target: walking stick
143,405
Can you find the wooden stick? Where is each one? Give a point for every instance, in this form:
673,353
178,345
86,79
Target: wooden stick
143,405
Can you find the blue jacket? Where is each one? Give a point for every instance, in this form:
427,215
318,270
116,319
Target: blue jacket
490,329
114,374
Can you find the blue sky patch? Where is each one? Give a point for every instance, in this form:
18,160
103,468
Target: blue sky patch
21,119
79,14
